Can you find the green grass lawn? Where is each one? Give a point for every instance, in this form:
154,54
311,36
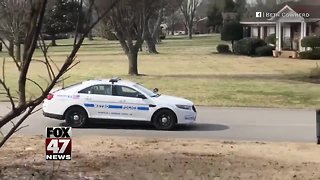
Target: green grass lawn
191,69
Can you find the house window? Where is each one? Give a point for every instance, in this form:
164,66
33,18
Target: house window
271,30
255,32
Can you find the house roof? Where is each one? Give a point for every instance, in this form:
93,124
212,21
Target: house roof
312,10
203,19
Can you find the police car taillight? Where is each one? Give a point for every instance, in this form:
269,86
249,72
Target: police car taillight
50,96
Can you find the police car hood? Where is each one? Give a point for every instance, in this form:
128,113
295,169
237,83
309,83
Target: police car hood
172,100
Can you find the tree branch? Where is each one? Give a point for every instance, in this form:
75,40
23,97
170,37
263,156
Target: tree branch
37,84
8,93
31,39
36,19
13,130
44,48
14,59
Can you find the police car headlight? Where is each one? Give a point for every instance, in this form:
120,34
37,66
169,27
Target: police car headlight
186,107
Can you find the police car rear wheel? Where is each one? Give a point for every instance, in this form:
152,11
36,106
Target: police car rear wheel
76,117
164,120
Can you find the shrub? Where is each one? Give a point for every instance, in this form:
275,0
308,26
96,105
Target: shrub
232,31
311,41
248,46
223,48
271,39
315,54
264,51
162,36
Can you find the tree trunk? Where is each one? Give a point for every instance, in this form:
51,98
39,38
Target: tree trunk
0,46
90,36
157,31
232,43
53,40
151,46
186,30
156,36
172,26
149,36
151,42
133,63
18,50
11,48
190,31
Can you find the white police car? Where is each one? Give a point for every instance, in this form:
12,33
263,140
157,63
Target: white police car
117,99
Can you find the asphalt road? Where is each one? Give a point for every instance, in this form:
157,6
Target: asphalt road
254,124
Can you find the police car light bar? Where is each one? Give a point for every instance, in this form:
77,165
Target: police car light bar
114,79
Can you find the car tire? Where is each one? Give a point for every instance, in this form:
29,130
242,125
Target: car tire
76,117
164,120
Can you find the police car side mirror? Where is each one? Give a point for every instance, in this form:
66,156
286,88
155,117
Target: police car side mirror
141,96
155,90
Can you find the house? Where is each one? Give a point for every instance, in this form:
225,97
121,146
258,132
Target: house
199,27
179,28
290,23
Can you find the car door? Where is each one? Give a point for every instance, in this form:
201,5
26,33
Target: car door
96,99
128,105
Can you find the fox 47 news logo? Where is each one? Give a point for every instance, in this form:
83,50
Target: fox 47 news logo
58,143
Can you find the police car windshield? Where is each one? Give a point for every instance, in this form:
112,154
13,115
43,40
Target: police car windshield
145,90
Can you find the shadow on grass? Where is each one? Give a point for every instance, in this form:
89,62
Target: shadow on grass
295,77
307,79
139,125
194,37
283,77
71,45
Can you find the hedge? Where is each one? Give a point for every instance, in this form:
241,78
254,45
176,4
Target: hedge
264,51
315,54
248,46
311,41
223,48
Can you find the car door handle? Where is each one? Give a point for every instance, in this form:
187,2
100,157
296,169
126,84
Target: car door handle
122,101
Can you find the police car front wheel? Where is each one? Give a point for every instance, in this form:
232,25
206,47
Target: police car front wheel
164,119
76,117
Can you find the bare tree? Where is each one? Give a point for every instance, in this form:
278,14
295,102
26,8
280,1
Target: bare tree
90,17
188,9
152,31
172,15
13,16
129,19
24,107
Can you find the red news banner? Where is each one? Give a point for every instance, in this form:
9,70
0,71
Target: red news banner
58,143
